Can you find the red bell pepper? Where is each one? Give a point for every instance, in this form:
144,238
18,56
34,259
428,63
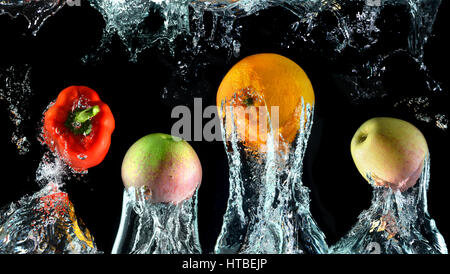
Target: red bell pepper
78,126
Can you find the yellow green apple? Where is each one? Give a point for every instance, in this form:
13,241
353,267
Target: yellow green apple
166,165
390,151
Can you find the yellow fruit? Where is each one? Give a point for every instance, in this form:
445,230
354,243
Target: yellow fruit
391,151
266,80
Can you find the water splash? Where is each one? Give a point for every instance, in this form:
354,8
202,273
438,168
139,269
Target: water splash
364,36
156,228
354,33
127,19
43,223
423,14
15,91
51,170
423,111
396,223
268,206
36,12
358,35
339,29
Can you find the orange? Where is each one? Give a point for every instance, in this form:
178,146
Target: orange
264,80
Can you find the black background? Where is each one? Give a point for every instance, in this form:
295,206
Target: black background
134,93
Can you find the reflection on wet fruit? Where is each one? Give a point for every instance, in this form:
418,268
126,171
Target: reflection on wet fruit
389,150
166,166
258,88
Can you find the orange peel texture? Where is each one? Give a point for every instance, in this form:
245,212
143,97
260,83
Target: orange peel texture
264,81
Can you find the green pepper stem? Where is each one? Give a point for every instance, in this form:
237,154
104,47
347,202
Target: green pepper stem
249,101
86,114
79,121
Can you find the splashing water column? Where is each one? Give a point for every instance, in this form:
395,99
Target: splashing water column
44,223
266,105
161,175
422,14
392,155
390,151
